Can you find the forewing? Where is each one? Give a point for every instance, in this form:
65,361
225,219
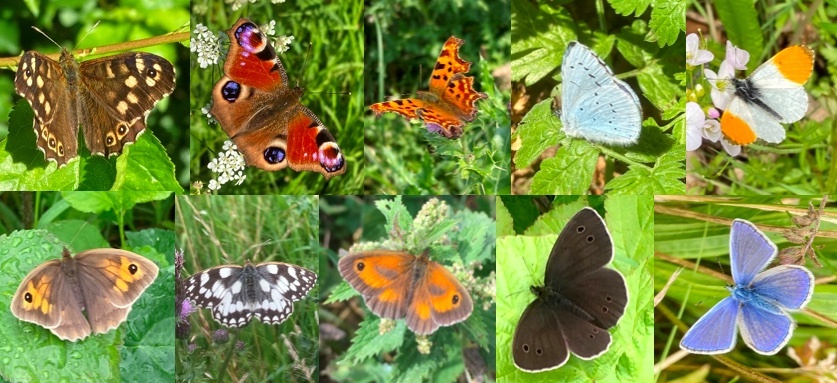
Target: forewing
438,300
750,251
583,246
790,286
715,331
382,277
447,65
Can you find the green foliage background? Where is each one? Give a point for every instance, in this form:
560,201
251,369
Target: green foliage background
328,70
692,235
650,47
403,40
156,161
223,230
805,162
364,355
525,240
35,227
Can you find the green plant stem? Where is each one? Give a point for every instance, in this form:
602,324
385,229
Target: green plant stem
229,356
622,158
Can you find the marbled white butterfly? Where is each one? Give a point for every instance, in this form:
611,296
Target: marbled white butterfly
235,293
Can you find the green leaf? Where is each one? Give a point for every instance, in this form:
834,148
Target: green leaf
144,165
396,214
668,21
627,7
665,178
538,130
368,341
342,292
742,25
97,202
505,226
569,172
475,236
539,38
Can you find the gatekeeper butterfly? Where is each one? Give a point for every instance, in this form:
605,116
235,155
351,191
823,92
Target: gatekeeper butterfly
396,284
102,282
451,100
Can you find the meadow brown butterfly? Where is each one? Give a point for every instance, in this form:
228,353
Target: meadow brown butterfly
102,282
397,285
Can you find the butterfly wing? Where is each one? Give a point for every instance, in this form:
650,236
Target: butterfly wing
750,251
539,343
438,300
45,297
280,285
781,89
765,328
117,93
111,280
436,118
789,286
384,279
42,82
595,105
715,331
742,123
263,116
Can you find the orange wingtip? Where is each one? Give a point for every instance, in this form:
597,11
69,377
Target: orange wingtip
736,130
795,63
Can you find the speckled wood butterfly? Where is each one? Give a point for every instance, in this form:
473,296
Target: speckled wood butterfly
237,293
110,97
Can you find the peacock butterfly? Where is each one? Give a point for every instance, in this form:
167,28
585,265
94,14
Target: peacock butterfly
262,114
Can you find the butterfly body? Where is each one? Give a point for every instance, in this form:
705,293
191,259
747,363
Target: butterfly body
262,114
760,300
398,285
236,294
771,95
109,97
578,301
451,100
595,105
102,282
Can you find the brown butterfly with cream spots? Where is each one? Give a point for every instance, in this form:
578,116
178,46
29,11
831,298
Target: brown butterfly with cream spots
109,97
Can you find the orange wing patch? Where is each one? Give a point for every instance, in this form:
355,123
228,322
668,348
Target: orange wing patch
451,100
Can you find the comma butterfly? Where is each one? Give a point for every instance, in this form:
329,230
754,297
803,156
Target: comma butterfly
451,100
262,114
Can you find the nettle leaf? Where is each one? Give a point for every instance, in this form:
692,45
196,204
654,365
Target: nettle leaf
396,214
342,292
569,172
475,236
368,341
413,366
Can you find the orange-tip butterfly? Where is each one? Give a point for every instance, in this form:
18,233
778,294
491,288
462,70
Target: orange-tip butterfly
773,94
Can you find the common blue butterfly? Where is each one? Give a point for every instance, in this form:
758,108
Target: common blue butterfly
595,105
759,301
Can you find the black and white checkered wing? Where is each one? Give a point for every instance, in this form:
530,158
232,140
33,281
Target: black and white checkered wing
235,293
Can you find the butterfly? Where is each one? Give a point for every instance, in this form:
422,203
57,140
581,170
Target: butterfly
110,97
773,94
579,300
102,282
236,294
262,114
398,285
595,105
759,302
451,100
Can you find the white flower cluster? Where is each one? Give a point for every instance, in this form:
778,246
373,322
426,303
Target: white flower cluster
283,43
206,44
229,166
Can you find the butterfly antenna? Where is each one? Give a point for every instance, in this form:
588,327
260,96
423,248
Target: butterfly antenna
305,64
87,34
45,35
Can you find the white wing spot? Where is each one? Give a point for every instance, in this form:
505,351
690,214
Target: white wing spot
225,272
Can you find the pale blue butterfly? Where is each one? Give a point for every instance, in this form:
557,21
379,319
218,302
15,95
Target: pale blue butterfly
760,300
595,105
